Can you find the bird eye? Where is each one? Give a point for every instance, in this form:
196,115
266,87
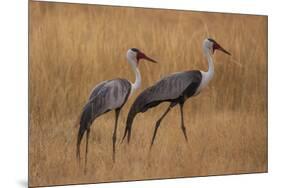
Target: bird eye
134,49
211,40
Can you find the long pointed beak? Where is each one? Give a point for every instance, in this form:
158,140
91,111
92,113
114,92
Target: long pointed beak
223,50
143,56
149,59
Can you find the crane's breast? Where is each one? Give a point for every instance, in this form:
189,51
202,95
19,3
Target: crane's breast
206,78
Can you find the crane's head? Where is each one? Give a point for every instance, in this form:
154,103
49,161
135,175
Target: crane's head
211,46
134,55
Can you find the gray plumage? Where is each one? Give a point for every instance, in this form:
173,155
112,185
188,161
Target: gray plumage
96,89
106,96
110,95
175,88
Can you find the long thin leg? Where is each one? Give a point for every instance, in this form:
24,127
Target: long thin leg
87,140
158,123
182,122
117,111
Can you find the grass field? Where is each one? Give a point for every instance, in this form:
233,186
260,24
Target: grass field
73,47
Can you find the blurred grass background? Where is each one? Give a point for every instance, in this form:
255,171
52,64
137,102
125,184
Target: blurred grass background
73,47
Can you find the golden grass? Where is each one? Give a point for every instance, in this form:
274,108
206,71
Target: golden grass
73,47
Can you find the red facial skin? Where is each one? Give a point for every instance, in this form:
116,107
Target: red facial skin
216,46
141,55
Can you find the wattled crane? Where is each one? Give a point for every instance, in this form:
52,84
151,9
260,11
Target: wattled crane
175,89
107,96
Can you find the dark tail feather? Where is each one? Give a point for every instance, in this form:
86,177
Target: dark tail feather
129,124
85,120
79,139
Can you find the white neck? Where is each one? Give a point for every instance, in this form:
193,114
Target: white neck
206,76
211,69
136,85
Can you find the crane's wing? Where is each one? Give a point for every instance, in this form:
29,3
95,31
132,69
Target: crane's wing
106,96
96,89
169,88
110,95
